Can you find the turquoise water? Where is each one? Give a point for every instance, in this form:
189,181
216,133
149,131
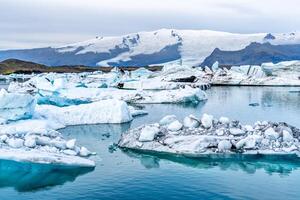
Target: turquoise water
129,175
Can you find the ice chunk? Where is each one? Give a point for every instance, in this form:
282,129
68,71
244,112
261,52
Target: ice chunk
30,142
175,126
224,145
191,122
105,111
69,152
207,120
136,112
167,120
43,140
236,131
271,134
224,120
3,138
248,128
286,136
246,143
215,66
15,106
15,142
71,144
59,83
84,152
148,133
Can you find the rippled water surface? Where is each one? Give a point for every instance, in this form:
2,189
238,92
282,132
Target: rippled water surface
129,175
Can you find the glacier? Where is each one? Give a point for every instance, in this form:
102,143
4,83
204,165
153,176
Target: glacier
189,47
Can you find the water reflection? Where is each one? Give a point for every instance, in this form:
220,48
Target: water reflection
249,164
25,177
274,104
89,134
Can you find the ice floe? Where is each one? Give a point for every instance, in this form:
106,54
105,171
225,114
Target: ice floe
268,74
44,146
210,136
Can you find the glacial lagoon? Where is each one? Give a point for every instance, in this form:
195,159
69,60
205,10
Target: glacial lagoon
131,175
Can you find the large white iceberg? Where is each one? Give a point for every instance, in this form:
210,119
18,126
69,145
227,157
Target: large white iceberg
220,137
105,111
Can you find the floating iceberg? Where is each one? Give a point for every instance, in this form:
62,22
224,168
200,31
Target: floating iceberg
184,95
208,136
170,78
44,146
105,111
268,74
15,106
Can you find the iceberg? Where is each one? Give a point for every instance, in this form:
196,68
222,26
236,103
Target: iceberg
268,74
105,111
210,136
84,95
171,77
44,147
15,106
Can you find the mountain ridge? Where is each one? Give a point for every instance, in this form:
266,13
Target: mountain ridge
189,47
254,54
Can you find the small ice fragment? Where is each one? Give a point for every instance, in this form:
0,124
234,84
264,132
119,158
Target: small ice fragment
175,126
30,142
271,134
70,144
207,120
248,128
236,131
43,140
286,136
84,152
70,152
148,133
224,145
224,120
167,120
15,142
220,132
3,138
191,122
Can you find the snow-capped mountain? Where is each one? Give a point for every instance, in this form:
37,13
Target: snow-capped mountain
189,47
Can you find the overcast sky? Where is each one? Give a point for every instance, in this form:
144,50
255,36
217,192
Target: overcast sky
36,23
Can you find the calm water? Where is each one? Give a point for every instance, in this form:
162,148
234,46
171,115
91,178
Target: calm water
128,175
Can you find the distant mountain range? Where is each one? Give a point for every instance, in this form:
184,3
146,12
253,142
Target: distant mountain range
254,54
190,47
